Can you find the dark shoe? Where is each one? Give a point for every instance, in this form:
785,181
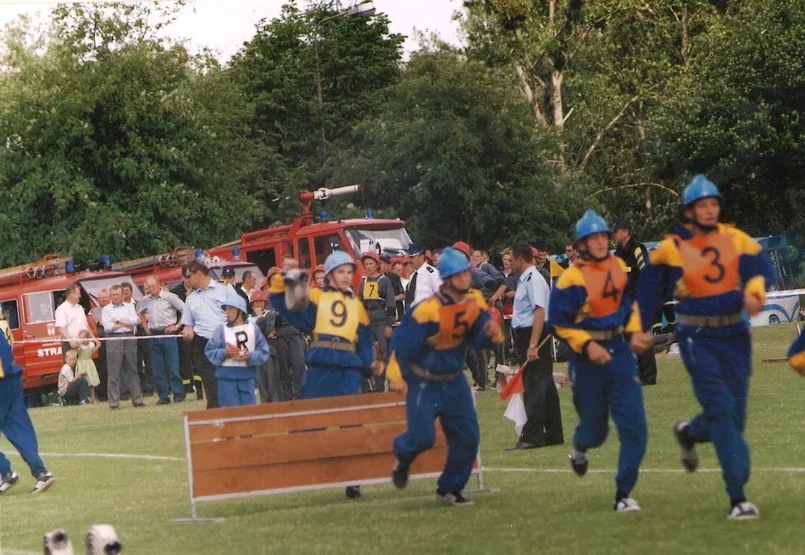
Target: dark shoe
8,482
178,400
115,408
354,492
453,498
687,447
139,405
399,475
164,402
521,445
480,388
43,482
743,511
579,462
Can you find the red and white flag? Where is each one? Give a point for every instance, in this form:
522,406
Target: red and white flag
515,411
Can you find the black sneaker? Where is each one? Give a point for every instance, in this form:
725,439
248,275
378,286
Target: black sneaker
354,492
453,498
579,462
687,447
399,475
43,482
8,482
164,402
743,511
480,388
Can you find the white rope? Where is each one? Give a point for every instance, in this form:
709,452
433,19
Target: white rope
55,339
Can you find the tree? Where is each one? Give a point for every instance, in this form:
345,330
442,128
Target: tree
455,154
115,142
358,58
736,116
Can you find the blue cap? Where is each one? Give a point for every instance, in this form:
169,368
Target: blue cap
590,224
235,301
414,250
699,187
452,262
336,260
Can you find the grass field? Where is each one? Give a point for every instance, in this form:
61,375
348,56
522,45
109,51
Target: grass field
542,507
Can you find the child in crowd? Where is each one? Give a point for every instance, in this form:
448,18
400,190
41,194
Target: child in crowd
237,349
73,386
85,365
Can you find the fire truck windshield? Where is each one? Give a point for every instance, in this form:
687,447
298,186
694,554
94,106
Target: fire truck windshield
391,241
93,286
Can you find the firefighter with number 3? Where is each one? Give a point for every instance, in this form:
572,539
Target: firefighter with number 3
428,351
717,274
590,308
341,354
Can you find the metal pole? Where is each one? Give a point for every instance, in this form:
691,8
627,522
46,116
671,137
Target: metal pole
318,84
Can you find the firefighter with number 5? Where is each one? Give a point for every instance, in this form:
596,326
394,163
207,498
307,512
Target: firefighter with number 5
715,272
427,362
341,354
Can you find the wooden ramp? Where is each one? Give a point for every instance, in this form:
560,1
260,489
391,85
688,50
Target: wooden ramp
299,446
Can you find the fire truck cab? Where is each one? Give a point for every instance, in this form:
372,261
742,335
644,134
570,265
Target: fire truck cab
29,305
311,243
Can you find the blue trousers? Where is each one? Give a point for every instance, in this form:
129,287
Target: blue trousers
16,425
719,369
613,388
236,393
165,366
321,381
451,403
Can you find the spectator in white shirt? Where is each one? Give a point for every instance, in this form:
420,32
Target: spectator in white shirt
119,321
71,319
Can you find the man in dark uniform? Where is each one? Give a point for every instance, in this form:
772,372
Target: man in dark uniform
396,283
190,381
635,256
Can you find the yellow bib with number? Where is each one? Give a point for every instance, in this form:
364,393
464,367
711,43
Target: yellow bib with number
371,290
337,315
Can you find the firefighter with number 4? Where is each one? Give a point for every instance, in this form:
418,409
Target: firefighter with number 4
715,272
342,353
428,351
591,309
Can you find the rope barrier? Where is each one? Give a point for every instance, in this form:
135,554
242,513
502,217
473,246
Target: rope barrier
56,339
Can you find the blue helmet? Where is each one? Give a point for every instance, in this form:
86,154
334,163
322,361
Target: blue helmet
235,301
336,260
699,187
590,224
452,262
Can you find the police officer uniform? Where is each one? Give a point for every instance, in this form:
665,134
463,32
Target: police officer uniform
635,256
424,282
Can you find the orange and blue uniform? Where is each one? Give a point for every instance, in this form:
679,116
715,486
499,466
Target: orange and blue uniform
709,275
341,353
428,351
590,303
15,423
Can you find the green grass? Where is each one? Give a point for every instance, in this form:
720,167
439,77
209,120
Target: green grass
534,512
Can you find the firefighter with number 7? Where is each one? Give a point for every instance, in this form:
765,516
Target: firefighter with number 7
342,353
717,274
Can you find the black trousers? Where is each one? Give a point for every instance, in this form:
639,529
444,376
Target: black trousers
647,368
77,391
291,359
186,367
478,362
541,400
206,370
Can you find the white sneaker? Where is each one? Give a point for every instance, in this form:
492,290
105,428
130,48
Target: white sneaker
8,482
626,505
744,511
43,482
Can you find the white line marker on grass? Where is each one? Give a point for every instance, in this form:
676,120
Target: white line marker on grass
111,456
785,470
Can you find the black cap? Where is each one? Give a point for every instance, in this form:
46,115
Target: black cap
414,250
622,224
228,272
385,258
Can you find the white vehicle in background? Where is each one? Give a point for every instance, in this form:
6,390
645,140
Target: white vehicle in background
781,307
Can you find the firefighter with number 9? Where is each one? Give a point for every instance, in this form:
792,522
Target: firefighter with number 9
342,353
715,272
428,351
590,308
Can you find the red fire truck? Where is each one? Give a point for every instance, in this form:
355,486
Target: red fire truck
311,242
29,296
